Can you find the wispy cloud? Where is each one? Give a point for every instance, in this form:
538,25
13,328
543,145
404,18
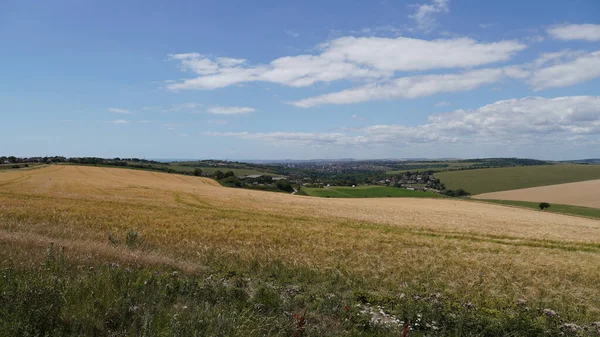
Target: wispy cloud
586,32
425,15
292,34
569,68
346,58
522,120
118,121
379,30
441,104
230,110
550,70
410,87
120,111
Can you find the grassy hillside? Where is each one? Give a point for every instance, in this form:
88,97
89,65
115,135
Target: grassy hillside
511,178
212,169
555,208
103,251
367,192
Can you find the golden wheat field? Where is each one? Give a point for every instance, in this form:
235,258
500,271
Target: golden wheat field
584,193
471,249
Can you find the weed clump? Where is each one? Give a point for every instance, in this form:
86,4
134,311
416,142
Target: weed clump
132,239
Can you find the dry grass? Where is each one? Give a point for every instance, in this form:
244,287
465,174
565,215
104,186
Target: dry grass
478,251
585,193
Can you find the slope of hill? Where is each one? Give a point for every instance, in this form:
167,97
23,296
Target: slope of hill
512,178
367,192
247,260
583,193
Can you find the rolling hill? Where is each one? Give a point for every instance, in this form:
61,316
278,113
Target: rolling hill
179,252
512,178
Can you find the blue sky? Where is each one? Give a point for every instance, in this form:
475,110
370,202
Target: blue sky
300,79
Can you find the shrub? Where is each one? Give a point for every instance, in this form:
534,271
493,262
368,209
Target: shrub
218,175
284,186
543,205
132,239
197,172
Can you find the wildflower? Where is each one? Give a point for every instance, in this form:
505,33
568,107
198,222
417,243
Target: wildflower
550,313
347,308
571,327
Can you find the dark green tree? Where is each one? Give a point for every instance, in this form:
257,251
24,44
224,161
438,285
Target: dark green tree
543,205
218,174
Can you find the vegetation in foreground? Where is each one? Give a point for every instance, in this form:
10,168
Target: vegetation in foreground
61,298
248,261
367,192
512,178
554,208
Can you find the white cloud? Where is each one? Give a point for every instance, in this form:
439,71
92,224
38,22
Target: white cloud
441,104
556,69
120,111
118,121
217,121
409,87
292,34
191,107
230,110
379,30
587,32
425,13
144,121
525,120
177,107
581,68
345,58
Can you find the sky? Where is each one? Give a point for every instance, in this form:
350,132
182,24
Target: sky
306,79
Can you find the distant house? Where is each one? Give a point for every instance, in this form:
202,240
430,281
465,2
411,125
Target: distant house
279,178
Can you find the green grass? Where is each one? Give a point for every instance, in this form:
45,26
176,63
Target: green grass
554,208
367,192
434,167
60,298
511,178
